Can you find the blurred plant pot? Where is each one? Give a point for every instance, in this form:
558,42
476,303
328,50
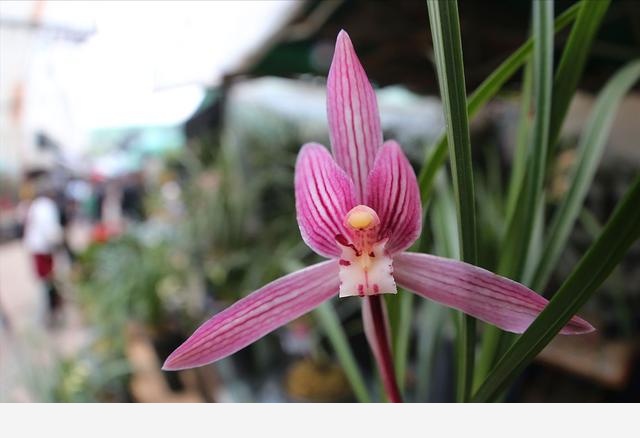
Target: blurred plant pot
309,380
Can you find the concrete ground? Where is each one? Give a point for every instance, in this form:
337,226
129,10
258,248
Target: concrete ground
29,348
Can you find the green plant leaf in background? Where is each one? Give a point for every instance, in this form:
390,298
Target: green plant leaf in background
485,92
519,226
432,316
590,149
431,322
446,236
589,17
620,232
572,63
445,30
520,229
332,326
519,161
402,336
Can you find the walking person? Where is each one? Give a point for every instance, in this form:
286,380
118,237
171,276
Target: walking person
43,235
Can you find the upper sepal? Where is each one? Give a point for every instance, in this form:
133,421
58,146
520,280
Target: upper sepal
352,110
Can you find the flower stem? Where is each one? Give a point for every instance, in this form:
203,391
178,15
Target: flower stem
383,356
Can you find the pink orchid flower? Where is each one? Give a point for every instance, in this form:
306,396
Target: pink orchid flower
361,209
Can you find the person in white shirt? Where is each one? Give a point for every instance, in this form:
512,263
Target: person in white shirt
43,235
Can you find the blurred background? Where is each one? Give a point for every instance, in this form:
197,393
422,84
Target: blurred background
146,182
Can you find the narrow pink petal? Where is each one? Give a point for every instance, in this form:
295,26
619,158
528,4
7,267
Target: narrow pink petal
476,291
352,109
324,195
392,191
254,316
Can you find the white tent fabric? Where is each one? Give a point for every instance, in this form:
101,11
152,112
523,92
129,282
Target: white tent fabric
86,65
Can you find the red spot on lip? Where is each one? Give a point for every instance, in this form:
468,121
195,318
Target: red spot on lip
344,242
376,289
344,262
361,290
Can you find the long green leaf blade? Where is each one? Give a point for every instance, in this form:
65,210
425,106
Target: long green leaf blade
520,230
572,62
446,237
620,232
445,29
431,315
590,150
520,224
430,326
330,322
403,334
569,71
522,141
485,91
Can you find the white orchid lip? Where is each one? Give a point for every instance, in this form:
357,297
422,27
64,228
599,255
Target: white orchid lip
365,266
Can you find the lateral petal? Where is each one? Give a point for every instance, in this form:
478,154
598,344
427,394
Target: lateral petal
324,195
392,191
482,294
256,315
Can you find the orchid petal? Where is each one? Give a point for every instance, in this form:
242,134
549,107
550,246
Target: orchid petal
392,191
475,291
256,315
352,110
324,195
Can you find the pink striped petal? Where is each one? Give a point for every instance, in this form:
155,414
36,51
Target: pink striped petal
354,120
392,191
256,315
476,291
324,195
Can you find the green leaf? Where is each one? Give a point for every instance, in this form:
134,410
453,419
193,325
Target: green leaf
446,238
512,262
590,149
402,335
330,322
392,302
522,141
520,229
430,326
515,244
620,232
436,156
492,336
485,92
590,223
520,224
572,62
535,249
432,315
445,30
